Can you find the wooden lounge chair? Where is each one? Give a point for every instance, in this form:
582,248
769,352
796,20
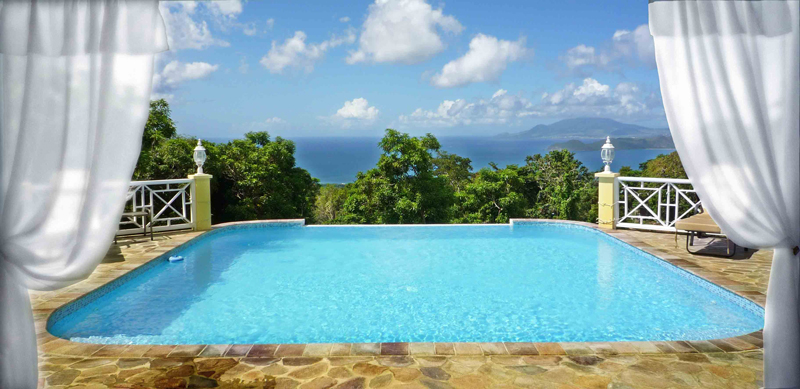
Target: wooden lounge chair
146,214
700,225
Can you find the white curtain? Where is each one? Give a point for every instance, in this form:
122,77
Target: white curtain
730,80
75,81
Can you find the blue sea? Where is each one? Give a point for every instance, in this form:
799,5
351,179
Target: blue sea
336,160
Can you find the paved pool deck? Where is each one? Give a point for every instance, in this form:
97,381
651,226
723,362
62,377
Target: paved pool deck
719,363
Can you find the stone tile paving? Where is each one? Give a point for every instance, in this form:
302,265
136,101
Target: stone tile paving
713,364
713,370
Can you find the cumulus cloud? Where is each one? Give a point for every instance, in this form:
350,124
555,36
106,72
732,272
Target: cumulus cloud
625,47
188,22
250,29
501,108
187,25
270,24
186,29
486,60
175,73
403,31
268,123
590,98
294,52
344,19
636,44
354,112
357,109
225,8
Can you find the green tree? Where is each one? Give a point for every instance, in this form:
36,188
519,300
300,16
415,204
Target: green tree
455,169
158,129
258,179
159,126
493,196
566,188
403,188
172,158
662,166
254,178
329,204
627,171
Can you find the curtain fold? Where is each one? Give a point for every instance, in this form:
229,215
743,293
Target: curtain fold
730,80
75,83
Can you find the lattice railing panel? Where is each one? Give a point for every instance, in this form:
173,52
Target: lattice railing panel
169,200
655,203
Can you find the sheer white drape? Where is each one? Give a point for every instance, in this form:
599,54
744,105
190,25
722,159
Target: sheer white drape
75,80
730,80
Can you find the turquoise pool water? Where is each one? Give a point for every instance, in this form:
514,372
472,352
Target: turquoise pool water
539,282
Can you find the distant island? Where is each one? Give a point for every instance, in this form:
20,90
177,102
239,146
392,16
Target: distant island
586,128
658,142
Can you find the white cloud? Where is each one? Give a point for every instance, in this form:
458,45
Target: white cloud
188,22
486,60
272,122
175,73
243,65
296,53
249,29
583,55
344,19
501,108
636,44
357,111
185,29
226,8
590,98
631,47
404,31
270,24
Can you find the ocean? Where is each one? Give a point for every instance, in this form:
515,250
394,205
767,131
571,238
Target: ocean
336,160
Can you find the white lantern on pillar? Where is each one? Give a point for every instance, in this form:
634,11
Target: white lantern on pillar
199,156
607,153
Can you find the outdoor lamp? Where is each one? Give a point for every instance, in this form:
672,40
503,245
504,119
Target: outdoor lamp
200,156
607,153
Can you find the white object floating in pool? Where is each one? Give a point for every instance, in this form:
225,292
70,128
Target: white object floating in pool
175,258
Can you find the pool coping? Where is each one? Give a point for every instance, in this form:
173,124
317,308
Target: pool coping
53,345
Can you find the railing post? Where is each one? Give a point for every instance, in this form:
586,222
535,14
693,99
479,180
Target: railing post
201,201
607,199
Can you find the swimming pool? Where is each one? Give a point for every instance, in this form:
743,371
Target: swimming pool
522,282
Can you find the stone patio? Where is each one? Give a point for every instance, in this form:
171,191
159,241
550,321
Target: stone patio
721,363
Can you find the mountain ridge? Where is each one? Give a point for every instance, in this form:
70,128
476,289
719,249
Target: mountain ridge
585,128
657,142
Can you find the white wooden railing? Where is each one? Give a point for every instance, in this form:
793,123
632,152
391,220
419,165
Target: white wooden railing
170,201
655,203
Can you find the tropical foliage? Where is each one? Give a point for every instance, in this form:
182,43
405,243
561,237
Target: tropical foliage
417,182
662,166
254,178
414,181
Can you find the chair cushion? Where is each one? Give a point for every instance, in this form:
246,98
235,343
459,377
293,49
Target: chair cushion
137,213
701,222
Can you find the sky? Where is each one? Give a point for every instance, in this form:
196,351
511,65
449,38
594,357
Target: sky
355,68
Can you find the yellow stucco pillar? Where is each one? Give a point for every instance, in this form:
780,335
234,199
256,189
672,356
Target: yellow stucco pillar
607,199
201,201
